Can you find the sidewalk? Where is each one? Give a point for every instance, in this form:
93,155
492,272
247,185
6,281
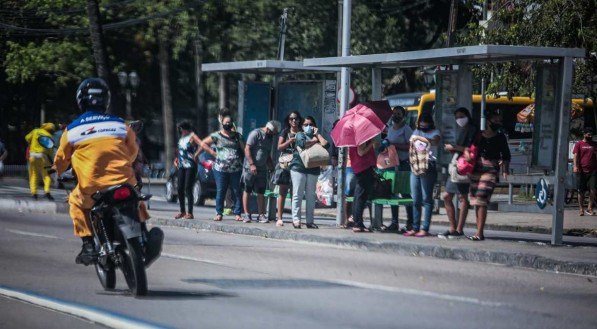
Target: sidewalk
521,249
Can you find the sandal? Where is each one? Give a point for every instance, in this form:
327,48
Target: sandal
410,233
188,216
218,218
589,212
296,224
582,213
279,223
421,234
476,238
239,218
362,229
179,215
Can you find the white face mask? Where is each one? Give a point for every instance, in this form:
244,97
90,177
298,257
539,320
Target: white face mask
462,121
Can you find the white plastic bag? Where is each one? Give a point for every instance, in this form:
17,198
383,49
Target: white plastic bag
325,186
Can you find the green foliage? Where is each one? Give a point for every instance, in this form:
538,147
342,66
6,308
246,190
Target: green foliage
550,23
62,60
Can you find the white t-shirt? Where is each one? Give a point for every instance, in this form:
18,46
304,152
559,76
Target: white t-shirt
400,136
431,134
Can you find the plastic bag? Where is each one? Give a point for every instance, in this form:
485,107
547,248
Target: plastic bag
325,186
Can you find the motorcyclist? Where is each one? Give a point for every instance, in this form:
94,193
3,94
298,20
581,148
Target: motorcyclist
41,150
101,149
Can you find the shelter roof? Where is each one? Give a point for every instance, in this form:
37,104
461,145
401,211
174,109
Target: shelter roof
445,56
265,67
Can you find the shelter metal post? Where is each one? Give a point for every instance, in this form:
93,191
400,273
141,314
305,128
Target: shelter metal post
564,90
344,88
376,84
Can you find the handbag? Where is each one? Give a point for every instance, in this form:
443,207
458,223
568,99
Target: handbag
455,177
388,158
466,162
284,160
314,156
281,176
382,188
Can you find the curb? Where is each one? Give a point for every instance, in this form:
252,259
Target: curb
34,206
403,248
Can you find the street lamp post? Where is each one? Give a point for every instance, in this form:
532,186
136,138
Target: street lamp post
129,82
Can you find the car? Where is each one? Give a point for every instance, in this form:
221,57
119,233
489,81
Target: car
205,183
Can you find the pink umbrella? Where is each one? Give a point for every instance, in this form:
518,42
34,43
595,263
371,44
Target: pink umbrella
357,126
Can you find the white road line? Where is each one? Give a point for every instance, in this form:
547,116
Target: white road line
112,320
33,234
173,256
415,292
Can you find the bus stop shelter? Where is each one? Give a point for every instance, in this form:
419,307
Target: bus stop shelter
276,68
553,98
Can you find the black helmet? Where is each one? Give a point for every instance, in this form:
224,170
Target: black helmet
93,94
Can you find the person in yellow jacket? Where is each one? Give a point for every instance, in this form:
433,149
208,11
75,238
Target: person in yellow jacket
41,150
101,149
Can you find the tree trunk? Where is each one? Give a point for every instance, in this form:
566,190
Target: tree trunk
168,120
200,91
97,43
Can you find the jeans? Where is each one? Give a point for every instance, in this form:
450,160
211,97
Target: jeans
404,166
421,188
362,192
186,180
303,184
223,181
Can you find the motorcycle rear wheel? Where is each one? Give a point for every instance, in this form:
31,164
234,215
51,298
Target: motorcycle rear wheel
106,277
133,267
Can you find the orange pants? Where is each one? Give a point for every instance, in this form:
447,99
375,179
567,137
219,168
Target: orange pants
81,223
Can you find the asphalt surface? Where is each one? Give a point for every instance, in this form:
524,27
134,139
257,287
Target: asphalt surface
216,280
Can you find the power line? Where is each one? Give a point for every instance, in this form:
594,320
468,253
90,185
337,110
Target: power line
25,31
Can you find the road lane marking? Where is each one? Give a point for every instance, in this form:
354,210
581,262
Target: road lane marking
415,292
33,234
109,319
173,256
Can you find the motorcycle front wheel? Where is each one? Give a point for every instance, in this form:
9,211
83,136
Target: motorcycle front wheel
133,267
106,277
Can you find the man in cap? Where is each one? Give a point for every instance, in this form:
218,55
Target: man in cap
257,161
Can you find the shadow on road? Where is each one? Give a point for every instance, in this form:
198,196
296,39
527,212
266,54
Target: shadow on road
171,294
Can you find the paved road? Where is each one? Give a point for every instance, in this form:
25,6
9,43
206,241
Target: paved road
215,280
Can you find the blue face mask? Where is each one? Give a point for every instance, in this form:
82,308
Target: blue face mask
308,130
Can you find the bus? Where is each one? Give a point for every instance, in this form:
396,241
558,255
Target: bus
520,140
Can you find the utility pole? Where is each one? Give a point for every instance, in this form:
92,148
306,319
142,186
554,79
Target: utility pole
452,22
97,42
200,91
344,88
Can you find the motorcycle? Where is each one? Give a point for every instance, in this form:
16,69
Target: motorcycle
121,240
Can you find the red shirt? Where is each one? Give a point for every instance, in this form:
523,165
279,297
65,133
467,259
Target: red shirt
361,163
585,153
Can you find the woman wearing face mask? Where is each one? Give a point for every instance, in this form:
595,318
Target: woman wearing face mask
421,185
229,147
466,135
304,180
399,135
189,148
493,155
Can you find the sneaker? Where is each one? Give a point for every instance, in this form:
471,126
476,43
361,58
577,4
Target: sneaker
87,254
49,197
247,218
262,219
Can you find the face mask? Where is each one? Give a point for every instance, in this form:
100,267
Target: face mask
227,126
425,128
308,130
461,122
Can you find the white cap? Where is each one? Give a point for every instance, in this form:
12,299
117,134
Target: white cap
274,126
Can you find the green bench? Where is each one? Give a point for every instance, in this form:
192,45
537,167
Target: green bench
401,186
